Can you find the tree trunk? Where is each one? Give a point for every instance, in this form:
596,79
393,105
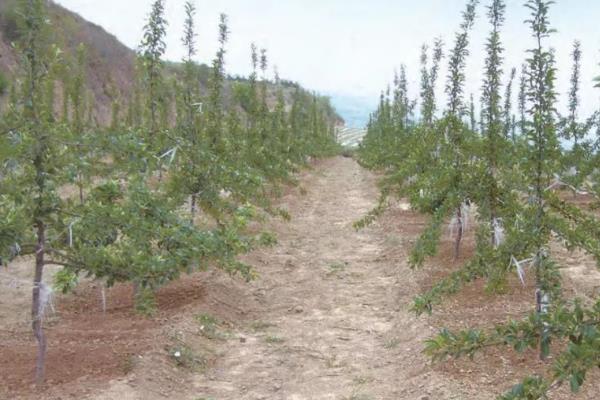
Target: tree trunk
103,297
493,226
494,216
193,208
37,307
542,302
459,232
575,146
80,184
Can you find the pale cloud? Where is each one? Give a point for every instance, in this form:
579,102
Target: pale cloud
350,48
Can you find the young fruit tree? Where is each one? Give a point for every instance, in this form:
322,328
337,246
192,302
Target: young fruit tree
519,214
543,215
32,168
123,224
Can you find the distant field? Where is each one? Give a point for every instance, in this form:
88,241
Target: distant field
351,137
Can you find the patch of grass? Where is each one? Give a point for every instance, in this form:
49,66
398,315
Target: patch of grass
128,363
358,396
3,83
208,326
357,275
336,268
333,362
258,326
267,239
145,302
362,380
271,339
357,392
185,357
284,214
391,343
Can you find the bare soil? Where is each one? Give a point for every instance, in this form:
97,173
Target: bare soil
327,318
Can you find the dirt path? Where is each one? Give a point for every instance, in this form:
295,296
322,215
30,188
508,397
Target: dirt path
332,321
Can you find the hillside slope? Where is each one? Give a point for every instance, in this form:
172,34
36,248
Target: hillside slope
110,64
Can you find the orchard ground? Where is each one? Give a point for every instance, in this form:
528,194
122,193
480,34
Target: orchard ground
327,318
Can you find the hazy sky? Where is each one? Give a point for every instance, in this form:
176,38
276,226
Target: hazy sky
350,48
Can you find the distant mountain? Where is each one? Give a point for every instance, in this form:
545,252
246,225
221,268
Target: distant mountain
355,110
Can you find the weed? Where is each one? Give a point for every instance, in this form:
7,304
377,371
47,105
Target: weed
128,363
267,239
337,268
257,326
359,382
185,357
362,380
391,343
208,326
358,396
3,83
145,302
274,339
333,362
284,214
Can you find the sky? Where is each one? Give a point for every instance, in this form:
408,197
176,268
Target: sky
349,49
